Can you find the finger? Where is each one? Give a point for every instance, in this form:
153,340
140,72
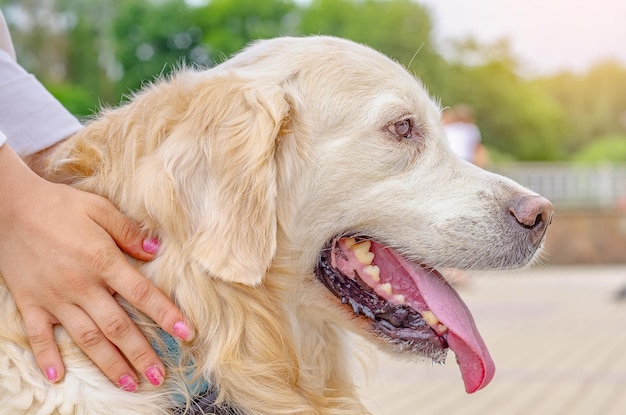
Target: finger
126,233
146,297
99,349
40,331
120,330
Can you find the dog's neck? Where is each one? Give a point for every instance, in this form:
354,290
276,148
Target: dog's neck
242,337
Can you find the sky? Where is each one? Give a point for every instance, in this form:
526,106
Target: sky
546,36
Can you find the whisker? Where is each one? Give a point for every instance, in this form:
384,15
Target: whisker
415,55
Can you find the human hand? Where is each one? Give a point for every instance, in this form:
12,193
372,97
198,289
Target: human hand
59,256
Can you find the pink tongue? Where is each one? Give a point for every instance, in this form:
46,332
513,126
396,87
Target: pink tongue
477,367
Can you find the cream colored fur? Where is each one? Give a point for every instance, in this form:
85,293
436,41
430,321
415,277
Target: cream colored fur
244,172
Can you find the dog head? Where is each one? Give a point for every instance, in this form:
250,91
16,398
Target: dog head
371,196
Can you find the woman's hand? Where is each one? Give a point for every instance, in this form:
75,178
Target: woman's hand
60,257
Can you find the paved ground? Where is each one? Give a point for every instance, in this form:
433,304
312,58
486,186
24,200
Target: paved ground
557,336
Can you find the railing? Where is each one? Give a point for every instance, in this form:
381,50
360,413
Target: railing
571,185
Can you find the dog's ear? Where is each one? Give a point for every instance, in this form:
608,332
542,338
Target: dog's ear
214,177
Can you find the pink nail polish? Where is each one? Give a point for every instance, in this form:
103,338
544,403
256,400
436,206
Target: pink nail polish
181,330
128,383
151,245
155,375
52,374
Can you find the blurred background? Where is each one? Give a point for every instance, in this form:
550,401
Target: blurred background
546,80
546,84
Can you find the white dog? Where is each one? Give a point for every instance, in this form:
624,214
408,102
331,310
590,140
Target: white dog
299,190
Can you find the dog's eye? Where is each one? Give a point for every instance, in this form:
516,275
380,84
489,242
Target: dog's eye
402,129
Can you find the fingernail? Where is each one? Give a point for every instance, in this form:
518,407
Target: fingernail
151,245
52,374
128,383
155,375
181,330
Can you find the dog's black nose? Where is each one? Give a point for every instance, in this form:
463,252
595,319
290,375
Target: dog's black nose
533,213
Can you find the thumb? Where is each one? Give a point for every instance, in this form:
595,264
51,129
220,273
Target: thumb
126,233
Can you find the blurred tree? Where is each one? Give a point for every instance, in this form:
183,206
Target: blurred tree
39,33
88,52
607,149
61,41
515,117
230,25
594,103
149,38
87,81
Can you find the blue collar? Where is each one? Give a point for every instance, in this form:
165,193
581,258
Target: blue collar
204,396
171,356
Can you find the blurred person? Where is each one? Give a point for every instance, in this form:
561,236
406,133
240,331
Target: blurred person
464,139
463,134
61,249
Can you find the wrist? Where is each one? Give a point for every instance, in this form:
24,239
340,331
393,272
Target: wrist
38,162
16,181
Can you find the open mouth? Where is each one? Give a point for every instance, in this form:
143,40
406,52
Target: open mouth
406,303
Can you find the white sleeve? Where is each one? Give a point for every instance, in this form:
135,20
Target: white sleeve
30,117
5,38
3,138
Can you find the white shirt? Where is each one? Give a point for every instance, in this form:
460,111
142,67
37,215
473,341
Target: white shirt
31,119
463,138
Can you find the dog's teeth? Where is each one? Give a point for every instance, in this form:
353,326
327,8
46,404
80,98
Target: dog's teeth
441,329
349,242
362,252
386,288
399,299
373,271
430,318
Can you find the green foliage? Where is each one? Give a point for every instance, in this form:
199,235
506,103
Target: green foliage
79,101
401,29
594,103
496,156
514,117
150,39
91,53
230,25
605,149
